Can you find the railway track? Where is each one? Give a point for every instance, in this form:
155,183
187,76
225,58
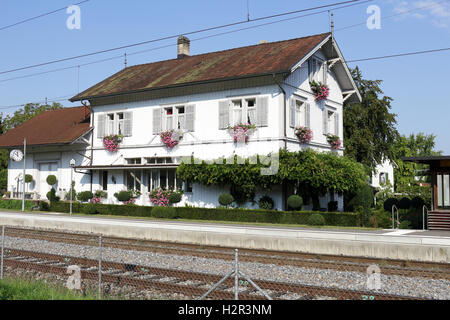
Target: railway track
351,264
170,280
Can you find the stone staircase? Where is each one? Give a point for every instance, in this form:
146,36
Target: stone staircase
439,220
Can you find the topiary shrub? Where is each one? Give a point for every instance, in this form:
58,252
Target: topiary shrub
295,202
164,212
316,220
51,180
44,206
28,178
225,199
175,197
389,203
417,203
89,208
404,203
124,196
74,193
266,203
332,206
51,195
101,194
85,196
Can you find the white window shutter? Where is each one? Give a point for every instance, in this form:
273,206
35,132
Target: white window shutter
101,119
157,121
325,120
128,124
190,118
224,114
307,115
262,112
292,113
336,124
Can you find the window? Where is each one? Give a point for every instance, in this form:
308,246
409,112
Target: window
384,178
243,111
164,178
133,179
174,118
300,113
162,160
114,123
103,177
317,69
443,191
331,122
134,161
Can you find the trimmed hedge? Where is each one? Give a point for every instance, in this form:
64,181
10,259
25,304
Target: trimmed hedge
343,219
16,204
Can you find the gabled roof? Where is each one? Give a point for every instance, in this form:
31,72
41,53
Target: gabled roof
54,127
266,58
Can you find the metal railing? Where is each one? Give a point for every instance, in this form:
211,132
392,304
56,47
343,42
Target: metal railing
394,208
425,212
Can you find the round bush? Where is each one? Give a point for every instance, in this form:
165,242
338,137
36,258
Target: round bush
85,196
51,180
389,203
175,198
124,196
295,202
28,178
225,199
417,202
89,208
405,203
44,206
316,220
164,212
266,203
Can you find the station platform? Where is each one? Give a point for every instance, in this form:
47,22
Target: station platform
412,245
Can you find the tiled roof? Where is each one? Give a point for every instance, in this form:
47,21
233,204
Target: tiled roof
265,58
60,126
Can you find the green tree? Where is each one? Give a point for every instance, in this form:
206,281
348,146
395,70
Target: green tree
420,145
369,126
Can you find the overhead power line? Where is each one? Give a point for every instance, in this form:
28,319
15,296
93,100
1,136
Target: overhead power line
192,40
399,55
175,36
39,16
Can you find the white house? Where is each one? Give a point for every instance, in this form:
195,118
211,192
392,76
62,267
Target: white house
267,85
383,176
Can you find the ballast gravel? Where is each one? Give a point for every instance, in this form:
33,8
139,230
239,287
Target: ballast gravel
390,284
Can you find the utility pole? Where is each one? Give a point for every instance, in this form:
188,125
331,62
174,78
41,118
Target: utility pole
24,170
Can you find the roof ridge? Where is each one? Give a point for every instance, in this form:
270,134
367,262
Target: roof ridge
225,50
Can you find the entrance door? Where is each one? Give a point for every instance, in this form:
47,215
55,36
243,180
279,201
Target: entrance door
45,170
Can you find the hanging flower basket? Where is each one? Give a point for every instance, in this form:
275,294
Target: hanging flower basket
334,141
111,143
242,132
304,135
171,138
320,90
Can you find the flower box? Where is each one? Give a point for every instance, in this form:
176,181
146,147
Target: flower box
241,132
304,134
171,138
111,143
334,141
320,90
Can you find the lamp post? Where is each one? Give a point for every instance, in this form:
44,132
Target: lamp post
24,171
72,165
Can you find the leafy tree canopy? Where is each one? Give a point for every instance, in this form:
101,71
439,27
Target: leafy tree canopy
369,126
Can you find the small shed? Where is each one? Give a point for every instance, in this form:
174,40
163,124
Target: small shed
439,215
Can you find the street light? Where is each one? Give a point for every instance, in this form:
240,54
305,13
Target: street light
72,165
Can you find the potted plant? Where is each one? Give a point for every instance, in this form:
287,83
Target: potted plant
171,138
334,141
320,90
304,134
111,143
241,132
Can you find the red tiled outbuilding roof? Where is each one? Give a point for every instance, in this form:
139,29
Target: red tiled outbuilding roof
54,127
265,58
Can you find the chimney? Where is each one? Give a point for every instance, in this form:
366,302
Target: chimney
183,47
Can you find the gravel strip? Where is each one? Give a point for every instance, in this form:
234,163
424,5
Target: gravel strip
390,284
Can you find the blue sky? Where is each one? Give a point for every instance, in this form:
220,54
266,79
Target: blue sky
418,84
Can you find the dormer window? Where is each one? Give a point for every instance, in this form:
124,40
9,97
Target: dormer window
317,70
